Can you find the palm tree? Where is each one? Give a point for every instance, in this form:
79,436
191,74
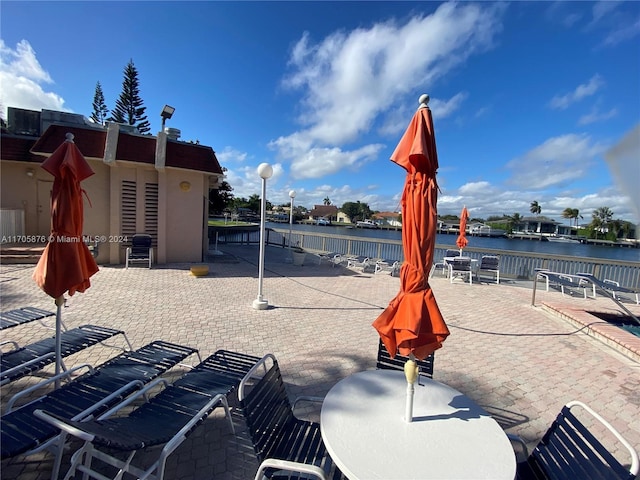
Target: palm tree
572,213
536,209
326,201
601,219
514,221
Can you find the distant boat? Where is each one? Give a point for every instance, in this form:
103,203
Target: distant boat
562,239
366,224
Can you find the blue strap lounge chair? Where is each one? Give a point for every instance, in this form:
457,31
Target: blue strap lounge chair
166,419
570,450
22,315
287,446
92,393
31,358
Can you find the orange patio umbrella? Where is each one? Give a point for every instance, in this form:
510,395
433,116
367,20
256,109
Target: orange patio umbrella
412,323
66,263
462,241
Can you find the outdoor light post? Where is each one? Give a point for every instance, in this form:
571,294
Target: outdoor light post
265,171
292,195
167,112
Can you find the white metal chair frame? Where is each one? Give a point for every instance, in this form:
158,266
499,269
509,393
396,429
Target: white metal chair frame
134,251
460,267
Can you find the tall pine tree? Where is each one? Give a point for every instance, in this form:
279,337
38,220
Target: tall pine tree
129,107
100,109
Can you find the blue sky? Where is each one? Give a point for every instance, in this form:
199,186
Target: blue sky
527,97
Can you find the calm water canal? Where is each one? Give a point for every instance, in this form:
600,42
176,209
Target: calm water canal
575,249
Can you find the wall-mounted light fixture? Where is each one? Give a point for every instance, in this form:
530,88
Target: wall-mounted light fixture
31,172
185,186
167,112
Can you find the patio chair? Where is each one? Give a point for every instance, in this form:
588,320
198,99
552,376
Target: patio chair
489,263
452,253
90,394
570,450
561,281
385,362
23,361
443,265
359,262
385,267
22,315
331,258
460,267
167,419
140,250
282,442
611,287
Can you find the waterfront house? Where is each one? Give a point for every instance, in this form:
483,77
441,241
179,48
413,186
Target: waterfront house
327,212
142,184
391,219
540,225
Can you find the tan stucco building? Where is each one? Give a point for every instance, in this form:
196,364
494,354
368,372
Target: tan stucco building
142,184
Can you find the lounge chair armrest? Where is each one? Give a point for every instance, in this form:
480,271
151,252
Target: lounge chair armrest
522,452
179,437
133,397
88,413
62,425
289,466
17,368
611,282
635,462
55,378
252,372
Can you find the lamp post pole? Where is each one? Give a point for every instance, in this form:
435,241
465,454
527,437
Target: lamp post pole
265,171
292,195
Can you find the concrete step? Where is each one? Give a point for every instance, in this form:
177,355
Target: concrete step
25,253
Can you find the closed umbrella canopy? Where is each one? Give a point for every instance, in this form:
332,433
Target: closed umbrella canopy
66,263
412,323
462,241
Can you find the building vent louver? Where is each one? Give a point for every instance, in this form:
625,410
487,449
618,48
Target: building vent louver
172,133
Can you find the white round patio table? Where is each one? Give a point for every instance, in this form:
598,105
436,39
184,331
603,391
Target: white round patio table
450,437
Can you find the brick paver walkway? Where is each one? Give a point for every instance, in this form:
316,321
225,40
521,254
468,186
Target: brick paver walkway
520,362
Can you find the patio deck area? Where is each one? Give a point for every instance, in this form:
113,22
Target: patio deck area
521,363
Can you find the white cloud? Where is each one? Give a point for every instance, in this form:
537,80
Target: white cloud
555,162
444,108
603,8
473,188
231,155
622,34
318,162
595,115
581,91
22,78
350,80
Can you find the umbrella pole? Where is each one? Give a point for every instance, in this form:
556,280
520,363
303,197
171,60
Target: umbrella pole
59,303
411,374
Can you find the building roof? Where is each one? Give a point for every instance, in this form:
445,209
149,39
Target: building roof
386,215
131,147
18,148
324,211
